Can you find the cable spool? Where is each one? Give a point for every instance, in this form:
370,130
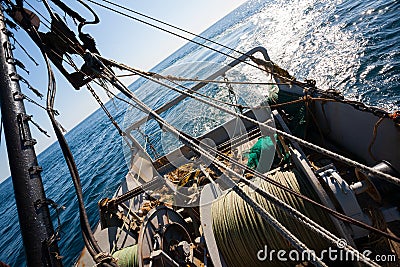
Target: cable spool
240,232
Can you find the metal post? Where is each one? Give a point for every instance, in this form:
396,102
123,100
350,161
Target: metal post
33,212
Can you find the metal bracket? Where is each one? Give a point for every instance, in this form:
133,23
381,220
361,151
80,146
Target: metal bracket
345,197
22,117
26,117
18,97
14,77
30,142
35,169
302,163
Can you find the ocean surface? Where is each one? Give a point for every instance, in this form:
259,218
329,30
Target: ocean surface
352,46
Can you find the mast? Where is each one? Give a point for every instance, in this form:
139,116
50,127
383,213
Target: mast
33,212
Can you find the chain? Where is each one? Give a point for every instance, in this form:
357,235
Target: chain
146,137
120,131
232,94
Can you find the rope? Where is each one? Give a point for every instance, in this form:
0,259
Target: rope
90,242
157,76
280,228
106,111
182,79
268,66
189,40
24,50
15,76
29,117
160,121
88,238
307,144
174,27
127,257
240,232
56,113
191,142
70,62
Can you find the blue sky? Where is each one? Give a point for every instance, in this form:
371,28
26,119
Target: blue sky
119,38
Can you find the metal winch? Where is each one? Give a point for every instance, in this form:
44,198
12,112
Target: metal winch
164,239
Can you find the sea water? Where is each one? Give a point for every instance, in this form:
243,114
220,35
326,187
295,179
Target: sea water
351,46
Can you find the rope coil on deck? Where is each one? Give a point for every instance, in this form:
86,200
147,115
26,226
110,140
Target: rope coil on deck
127,257
240,232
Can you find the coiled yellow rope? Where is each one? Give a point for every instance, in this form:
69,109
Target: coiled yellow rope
240,232
127,257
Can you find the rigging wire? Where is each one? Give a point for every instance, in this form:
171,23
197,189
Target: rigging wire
46,4
188,92
106,111
23,49
256,173
90,242
280,228
56,113
88,237
182,79
70,62
173,26
15,41
232,214
29,117
15,76
327,152
279,72
332,212
168,77
193,143
129,103
173,79
357,223
282,74
193,41
87,234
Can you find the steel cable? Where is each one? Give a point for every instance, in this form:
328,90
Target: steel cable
333,212
190,93
193,144
189,40
235,114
